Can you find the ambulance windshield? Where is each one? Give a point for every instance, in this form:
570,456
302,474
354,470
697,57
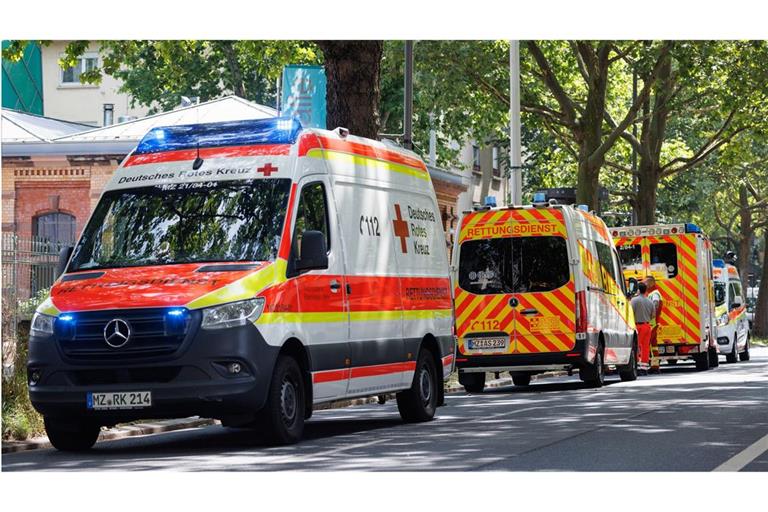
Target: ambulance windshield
211,221
719,294
513,265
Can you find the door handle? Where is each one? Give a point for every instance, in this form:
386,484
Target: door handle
335,286
530,311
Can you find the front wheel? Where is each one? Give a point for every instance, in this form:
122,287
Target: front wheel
744,356
472,382
419,402
629,372
733,355
71,437
714,362
282,417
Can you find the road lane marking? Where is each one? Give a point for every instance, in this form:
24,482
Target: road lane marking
744,457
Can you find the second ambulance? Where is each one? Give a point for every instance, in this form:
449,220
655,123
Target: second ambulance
730,311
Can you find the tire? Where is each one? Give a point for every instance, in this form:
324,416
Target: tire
702,361
71,437
744,356
733,355
594,374
628,373
522,380
714,360
472,382
282,418
419,403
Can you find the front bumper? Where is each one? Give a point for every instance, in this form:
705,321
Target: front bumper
194,380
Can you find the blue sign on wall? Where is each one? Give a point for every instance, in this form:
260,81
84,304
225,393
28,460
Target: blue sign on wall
304,95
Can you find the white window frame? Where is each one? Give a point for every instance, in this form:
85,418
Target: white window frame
82,59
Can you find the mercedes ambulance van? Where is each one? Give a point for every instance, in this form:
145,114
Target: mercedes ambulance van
248,271
539,288
730,312
679,257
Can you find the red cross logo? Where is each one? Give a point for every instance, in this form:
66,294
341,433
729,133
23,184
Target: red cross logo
267,170
401,229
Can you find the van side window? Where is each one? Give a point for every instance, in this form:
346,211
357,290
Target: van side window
619,274
664,259
607,270
631,256
311,215
734,291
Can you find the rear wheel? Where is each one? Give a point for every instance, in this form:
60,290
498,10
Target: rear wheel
733,355
521,379
282,417
472,382
702,361
629,372
71,437
744,356
714,361
420,401
594,374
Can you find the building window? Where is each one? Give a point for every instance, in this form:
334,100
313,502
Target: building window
496,166
71,75
109,114
475,158
54,227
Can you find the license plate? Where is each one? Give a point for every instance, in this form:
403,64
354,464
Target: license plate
119,400
487,343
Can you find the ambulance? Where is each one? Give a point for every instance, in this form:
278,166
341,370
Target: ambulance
247,271
679,258
730,312
539,288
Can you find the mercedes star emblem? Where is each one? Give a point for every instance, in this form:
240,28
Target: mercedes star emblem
117,332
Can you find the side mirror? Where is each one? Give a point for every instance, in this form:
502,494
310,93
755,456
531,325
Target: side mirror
314,253
64,254
631,287
737,301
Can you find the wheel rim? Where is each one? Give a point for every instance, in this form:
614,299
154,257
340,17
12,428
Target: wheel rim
425,385
288,402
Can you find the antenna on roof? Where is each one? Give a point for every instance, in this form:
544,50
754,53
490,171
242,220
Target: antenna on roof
198,161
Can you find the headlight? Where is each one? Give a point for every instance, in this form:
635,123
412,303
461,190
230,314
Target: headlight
233,314
722,320
42,325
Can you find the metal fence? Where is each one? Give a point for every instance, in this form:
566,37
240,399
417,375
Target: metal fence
28,266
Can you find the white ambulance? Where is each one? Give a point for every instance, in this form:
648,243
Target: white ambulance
730,312
248,271
540,288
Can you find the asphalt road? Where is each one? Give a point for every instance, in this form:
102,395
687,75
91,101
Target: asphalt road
681,420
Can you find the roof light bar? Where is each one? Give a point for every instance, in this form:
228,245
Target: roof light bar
277,130
692,228
718,263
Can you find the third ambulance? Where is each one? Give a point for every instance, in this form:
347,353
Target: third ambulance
730,312
539,288
679,258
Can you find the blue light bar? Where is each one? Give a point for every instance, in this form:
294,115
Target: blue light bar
64,326
490,201
692,228
276,130
540,197
718,263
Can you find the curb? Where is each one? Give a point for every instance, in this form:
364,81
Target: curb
142,429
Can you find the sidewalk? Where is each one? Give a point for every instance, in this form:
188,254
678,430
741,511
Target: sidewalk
160,426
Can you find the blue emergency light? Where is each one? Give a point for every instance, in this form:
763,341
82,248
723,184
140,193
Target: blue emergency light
276,130
718,263
490,201
692,228
64,326
540,197
176,321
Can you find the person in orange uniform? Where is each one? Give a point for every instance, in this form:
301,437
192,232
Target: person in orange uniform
655,296
645,312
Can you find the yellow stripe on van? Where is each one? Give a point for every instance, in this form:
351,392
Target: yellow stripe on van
244,288
355,316
47,308
367,162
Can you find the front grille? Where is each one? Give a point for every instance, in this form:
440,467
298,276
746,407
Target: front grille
153,333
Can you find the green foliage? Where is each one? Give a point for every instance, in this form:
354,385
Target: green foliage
19,418
27,307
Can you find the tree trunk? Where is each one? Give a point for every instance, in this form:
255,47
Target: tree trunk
352,70
745,235
760,325
647,185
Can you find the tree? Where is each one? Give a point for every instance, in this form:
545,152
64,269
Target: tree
353,71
